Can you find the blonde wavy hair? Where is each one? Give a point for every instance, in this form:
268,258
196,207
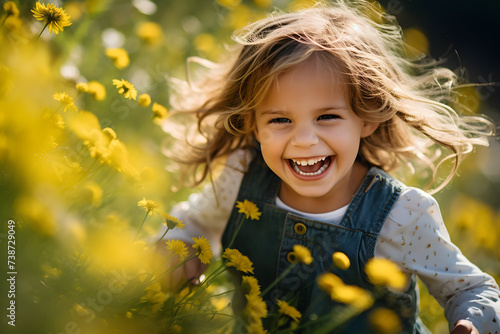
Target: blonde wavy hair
408,97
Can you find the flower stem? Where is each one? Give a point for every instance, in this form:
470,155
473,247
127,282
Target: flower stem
140,227
45,26
237,230
162,236
279,278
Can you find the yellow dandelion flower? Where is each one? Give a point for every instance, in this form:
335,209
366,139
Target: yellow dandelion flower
238,260
109,134
385,272
178,247
66,100
341,261
250,285
203,250
144,100
256,327
10,8
119,57
249,209
92,194
256,308
159,111
328,281
385,321
82,87
302,254
13,23
97,90
342,293
155,298
286,309
229,3
150,32
126,88
171,222
176,328
55,18
148,205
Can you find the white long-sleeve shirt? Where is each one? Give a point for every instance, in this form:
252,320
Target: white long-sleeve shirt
413,236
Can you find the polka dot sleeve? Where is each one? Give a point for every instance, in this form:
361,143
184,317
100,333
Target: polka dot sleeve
415,237
206,213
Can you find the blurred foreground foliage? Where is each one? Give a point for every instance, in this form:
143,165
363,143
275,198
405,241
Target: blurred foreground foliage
77,159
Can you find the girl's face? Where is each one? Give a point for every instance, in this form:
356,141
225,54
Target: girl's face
310,138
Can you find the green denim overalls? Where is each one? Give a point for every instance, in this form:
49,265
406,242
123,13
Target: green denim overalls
268,243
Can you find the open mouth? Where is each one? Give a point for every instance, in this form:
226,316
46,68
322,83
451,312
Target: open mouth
310,167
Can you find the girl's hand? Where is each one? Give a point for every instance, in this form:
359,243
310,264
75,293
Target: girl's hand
464,327
190,271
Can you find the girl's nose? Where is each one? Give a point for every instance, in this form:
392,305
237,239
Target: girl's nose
304,136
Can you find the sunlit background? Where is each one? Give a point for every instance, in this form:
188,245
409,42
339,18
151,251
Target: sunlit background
74,167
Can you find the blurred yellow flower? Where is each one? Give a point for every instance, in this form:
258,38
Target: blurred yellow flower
176,328
126,88
144,100
159,111
205,42
249,209
148,205
172,222
255,309
286,309
82,87
13,23
256,327
381,271
302,254
384,321
156,298
229,3
203,250
178,247
119,57
342,293
250,285
150,32
263,3
55,18
97,90
92,193
109,134
238,260
66,100
10,8
341,261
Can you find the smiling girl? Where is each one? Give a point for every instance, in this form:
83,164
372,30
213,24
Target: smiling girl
310,118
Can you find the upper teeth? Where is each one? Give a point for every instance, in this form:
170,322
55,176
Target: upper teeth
309,162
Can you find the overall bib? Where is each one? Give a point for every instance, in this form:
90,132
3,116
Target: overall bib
268,243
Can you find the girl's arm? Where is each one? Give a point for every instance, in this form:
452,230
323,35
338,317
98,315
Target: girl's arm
415,237
206,213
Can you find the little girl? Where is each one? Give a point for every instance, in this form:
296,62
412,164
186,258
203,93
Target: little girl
315,111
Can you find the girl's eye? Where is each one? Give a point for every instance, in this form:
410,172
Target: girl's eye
280,120
328,117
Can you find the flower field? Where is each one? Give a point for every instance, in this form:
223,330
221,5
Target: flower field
85,185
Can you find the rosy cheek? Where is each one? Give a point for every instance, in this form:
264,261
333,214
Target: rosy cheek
265,136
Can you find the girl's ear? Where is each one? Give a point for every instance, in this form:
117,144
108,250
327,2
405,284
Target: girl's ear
368,129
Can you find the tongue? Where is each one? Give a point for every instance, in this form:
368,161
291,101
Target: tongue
310,168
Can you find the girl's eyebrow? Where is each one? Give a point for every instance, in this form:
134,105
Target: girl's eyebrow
319,110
